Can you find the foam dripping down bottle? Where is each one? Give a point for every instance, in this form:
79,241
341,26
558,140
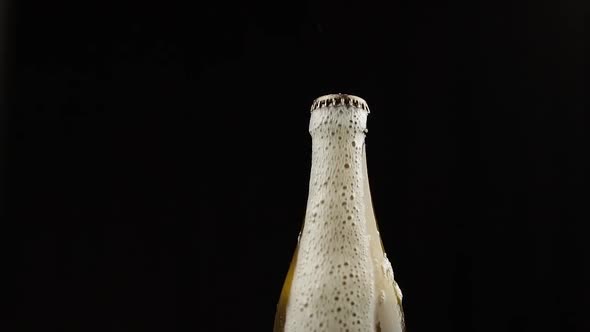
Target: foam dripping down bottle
340,278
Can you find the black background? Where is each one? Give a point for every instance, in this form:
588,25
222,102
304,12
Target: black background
157,157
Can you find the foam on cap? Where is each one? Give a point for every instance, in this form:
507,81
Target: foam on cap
339,99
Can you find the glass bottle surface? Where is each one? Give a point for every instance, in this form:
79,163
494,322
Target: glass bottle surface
340,278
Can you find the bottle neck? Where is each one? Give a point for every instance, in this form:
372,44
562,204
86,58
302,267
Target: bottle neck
336,193
335,256
340,277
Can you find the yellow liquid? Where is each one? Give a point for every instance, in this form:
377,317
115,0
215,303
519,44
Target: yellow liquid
280,316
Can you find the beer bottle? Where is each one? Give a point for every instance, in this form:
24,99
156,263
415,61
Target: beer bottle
340,278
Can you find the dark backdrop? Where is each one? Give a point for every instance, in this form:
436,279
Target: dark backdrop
157,157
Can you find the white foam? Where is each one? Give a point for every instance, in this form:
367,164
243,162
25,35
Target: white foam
342,279
333,284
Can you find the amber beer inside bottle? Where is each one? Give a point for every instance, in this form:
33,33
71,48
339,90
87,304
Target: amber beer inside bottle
339,278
